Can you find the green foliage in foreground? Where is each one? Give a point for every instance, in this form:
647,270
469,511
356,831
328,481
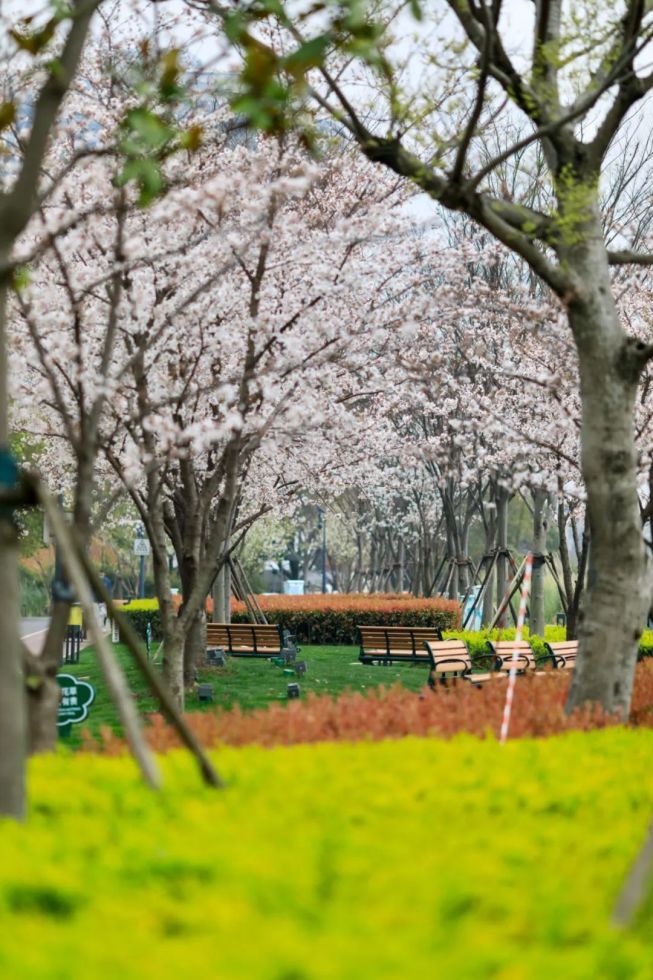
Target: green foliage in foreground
415,858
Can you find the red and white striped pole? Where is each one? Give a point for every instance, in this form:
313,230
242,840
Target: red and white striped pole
525,589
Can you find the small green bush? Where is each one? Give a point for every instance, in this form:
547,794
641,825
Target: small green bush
477,640
140,612
646,644
142,605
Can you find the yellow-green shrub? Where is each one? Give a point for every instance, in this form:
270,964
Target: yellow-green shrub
415,858
141,605
140,613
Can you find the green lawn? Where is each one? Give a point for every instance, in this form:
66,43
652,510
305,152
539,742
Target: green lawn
248,683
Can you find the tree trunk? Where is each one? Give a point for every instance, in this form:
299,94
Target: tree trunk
565,562
488,598
574,606
463,554
502,568
219,610
43,693
13,714
358,586
173,666
226,594
489,515
13,707
540,503
194,647
618,594
194,635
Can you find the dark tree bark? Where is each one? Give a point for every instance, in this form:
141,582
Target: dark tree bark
17,206
540,527
502,566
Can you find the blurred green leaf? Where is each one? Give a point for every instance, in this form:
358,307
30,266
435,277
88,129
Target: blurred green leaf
148,176
35,41
149,127
7,114
169,87
308,55
21,278
191,139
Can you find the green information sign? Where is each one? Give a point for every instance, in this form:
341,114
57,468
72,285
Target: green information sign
76,698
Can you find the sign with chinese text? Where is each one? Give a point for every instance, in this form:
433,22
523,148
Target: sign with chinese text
76,698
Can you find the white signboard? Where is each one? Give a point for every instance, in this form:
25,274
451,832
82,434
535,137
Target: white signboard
294,586
141,547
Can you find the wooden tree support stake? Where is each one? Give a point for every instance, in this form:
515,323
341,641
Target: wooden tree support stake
514,587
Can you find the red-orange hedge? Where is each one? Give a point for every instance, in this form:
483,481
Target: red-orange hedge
538,710
333,618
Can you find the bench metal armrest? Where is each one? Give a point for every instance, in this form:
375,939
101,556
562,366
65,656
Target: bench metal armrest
463,666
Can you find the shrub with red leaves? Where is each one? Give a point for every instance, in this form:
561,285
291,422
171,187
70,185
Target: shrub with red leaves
538,710
333,618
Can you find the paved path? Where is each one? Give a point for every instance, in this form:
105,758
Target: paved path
33,632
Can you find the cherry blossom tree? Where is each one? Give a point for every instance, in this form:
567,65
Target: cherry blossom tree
575,91
64,354
211,335
52,46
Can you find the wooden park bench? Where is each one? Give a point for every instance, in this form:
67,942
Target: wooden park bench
246,639
563,653
527,659
396,644
502,651
450,659
481,668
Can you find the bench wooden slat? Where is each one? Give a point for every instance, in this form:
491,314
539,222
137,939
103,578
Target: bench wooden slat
246,640
563,653
396,644
448,665
503,651
485,678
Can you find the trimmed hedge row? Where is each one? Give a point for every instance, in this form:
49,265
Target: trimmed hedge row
416,858
322,619
330,622
322,627
334,618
